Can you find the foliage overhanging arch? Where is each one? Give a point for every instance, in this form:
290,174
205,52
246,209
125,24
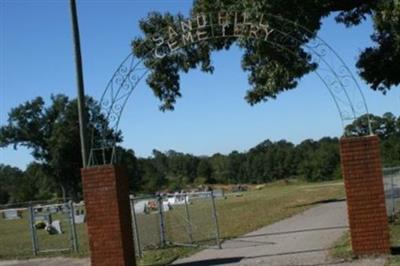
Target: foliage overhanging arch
332,71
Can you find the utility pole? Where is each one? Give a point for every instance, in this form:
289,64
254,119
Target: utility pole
80,87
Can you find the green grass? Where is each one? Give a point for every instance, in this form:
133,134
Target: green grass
395,241
241,215
15,240
342,248
165,256
237,215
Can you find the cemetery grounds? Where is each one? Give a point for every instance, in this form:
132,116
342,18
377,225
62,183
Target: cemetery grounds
238,214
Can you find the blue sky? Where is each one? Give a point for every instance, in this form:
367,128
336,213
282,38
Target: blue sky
37,59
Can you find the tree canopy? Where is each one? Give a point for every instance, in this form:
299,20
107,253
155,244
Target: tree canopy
387,127
51,132
270,71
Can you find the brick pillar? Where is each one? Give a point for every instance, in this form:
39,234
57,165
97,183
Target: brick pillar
109,226
362,172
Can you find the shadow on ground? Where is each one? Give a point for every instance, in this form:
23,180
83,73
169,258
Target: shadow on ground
319,202
295,231
245,237
212,262
225,261
395,251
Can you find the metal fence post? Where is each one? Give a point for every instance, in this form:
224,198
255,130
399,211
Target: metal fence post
162,222
189,222
214,214
31,219
74,238
136,229
392,195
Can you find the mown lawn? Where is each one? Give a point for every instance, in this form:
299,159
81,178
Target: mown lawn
237,215
395,241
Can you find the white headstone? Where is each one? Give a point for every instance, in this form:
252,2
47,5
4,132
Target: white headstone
53,209
79,219
140,206
11,214
54,228
43,217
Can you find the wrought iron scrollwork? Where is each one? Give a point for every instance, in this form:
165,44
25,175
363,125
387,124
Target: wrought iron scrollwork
332,71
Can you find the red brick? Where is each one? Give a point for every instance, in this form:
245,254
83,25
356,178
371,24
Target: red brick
109,226
362,171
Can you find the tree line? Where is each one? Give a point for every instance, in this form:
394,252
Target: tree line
268,161
52,134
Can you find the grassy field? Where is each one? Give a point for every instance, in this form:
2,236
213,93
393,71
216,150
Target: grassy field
237,214
395,241
342,248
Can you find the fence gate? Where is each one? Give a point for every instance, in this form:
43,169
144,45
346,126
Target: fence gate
180,219
53,228
391,180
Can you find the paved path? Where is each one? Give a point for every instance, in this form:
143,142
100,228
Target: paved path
303,239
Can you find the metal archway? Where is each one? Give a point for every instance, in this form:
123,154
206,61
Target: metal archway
332,71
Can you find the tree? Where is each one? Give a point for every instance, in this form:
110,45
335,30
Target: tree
236,168
272,71
376,63
320,162
9,179
220,168
128,159
204,171
22,186
52,133
43,185
387,127
182,167
153,178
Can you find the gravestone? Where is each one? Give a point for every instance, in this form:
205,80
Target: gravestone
43,217
219,193
11,214
53,209
140,206
54,228
80,218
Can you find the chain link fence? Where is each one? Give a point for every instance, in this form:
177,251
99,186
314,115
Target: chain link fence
391,179
146,223
180,219
39,227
